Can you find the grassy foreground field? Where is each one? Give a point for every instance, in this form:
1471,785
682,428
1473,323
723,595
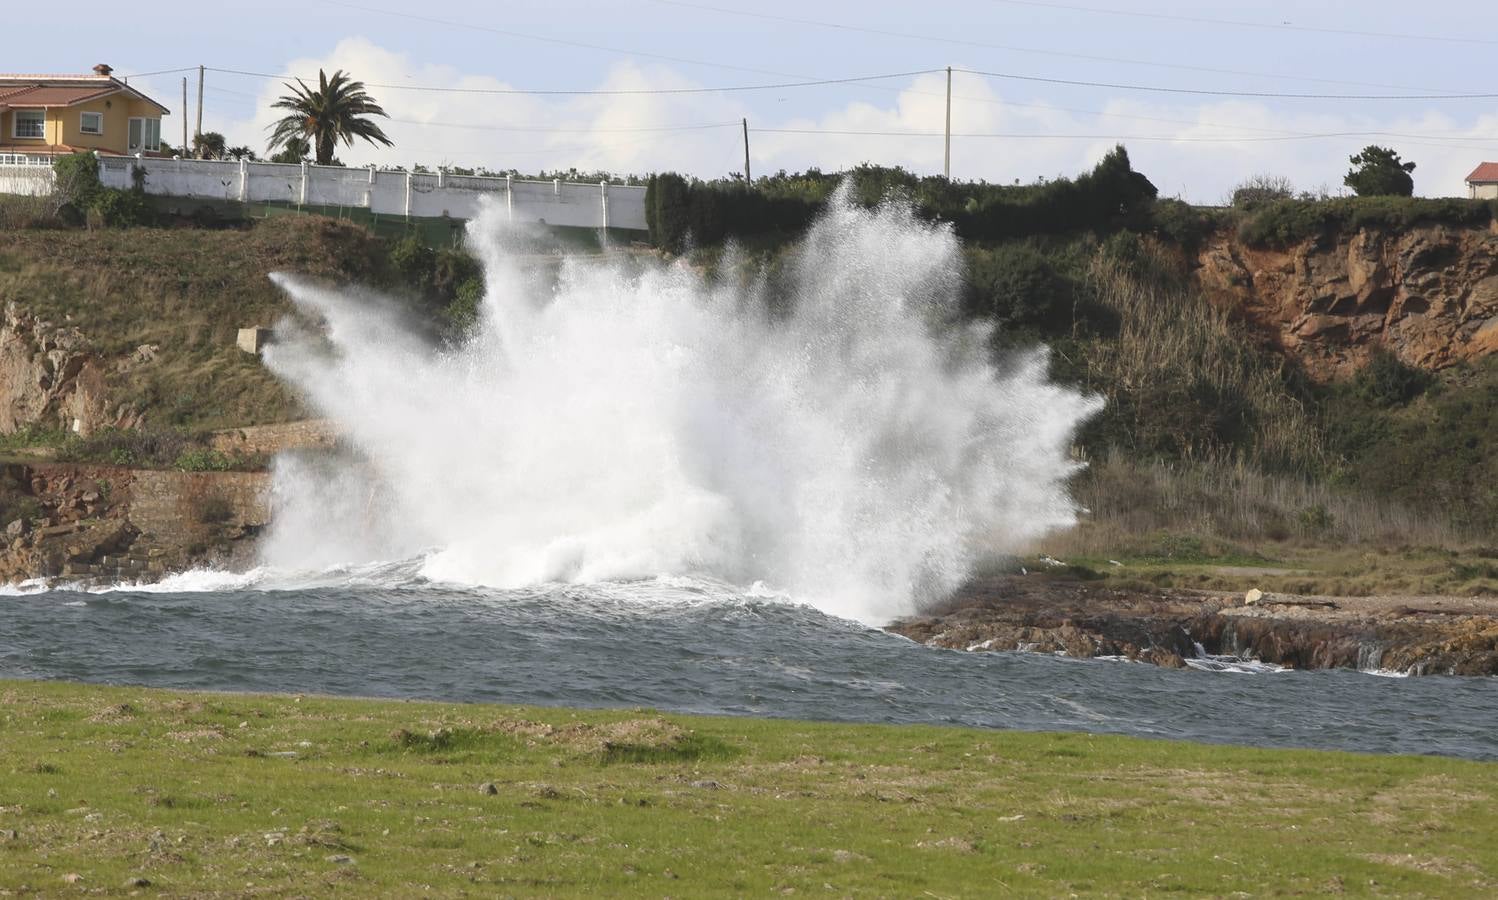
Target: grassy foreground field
134,791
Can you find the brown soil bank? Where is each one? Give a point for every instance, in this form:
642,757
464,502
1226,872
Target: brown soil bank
1415,635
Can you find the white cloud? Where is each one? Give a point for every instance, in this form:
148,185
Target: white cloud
604,131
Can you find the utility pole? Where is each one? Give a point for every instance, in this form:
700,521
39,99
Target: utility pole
199,110
186,151
946,165
748,179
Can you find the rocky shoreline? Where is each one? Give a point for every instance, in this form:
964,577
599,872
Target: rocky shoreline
1405,635
74,523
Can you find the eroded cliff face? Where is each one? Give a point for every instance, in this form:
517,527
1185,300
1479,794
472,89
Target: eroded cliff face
1428,294
50,377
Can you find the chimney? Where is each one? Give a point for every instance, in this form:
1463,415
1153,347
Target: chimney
102,69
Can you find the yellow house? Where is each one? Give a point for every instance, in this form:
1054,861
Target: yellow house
42,116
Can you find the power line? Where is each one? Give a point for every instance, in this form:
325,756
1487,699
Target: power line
161,72
548,130
1282,26
1117,86
605,92
1012,49
1095,137
1278,132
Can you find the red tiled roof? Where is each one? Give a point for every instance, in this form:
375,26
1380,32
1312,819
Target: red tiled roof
62,90
48,96
1484,174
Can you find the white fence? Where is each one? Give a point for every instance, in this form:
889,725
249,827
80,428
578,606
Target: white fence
28,181
383,192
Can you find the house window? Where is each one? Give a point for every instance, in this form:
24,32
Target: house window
144,134
92,123
30,123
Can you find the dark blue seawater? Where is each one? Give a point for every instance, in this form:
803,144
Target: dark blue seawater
700,648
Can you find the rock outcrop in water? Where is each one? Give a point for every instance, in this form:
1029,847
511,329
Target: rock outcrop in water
107,524
1418,636
1428,294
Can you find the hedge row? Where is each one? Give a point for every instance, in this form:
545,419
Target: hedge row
1112,195
1287,222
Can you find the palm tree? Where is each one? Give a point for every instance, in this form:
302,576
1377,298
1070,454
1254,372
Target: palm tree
335,111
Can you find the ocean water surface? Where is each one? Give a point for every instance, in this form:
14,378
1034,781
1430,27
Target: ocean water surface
694,646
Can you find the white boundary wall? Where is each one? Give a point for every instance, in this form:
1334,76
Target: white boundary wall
385,192
28,181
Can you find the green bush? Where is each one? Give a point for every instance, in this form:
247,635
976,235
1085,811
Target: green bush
413,260
1288,222
120,209
76,177
1018,285
1109,197
202,459
1385,381
463,311
150,448
1434,452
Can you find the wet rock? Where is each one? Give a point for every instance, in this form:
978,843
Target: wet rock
1009,613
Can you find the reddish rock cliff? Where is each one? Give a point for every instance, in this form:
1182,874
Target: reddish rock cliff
1428,294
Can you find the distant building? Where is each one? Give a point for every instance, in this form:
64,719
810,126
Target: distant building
1482,184
42,116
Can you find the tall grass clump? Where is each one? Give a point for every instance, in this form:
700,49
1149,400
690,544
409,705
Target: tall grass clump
1181,381
1129,501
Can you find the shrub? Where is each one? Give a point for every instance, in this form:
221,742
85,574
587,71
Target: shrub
115,208
150,448
463,311
1434,452
413,260
76,180
1385,381
1260,190
1018,285
202,459
1109,197
1287,222
1183,224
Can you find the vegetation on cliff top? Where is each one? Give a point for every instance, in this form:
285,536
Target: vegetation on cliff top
120,789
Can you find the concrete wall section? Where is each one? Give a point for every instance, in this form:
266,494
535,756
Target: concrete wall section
387,193
27,181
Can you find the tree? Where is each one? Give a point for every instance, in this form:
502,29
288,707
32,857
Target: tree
337,110
1262,190
295,151
208,145
240,153
1378,171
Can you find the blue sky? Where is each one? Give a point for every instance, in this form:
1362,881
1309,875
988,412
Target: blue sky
1193,146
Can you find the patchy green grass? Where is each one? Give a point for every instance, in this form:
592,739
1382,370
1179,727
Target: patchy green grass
104,789
184,293
1288,568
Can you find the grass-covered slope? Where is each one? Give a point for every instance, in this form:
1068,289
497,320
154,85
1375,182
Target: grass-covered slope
186,291
105,789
